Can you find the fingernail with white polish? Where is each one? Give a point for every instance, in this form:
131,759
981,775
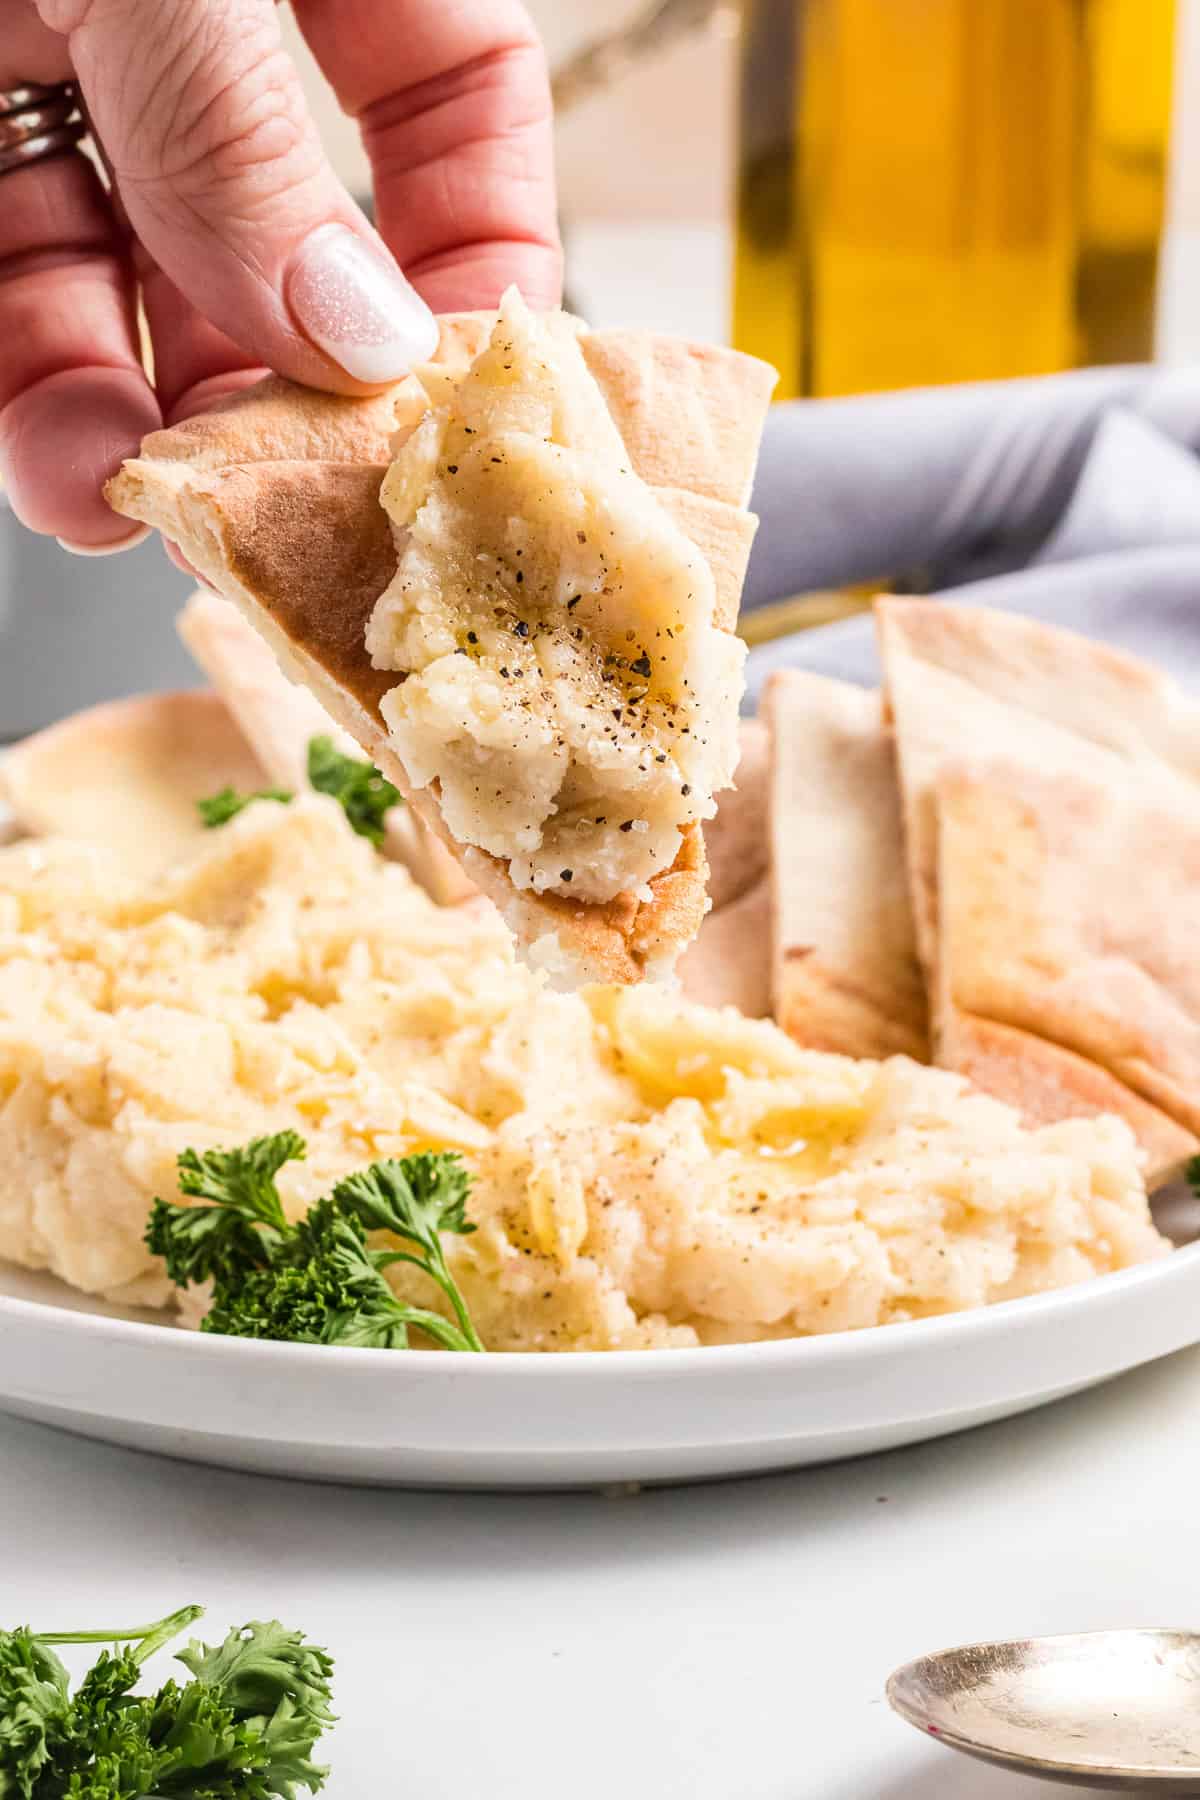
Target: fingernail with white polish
113,549
356,306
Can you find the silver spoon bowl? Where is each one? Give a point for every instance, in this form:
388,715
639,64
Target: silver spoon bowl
1118,1710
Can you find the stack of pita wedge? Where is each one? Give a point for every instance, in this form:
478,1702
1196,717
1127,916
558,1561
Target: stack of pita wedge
995,865
276,502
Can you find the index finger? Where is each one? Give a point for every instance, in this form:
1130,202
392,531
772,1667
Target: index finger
453,102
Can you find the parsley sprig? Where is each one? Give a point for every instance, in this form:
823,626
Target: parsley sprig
364,795
227,803
360,791
318,1281
243,1728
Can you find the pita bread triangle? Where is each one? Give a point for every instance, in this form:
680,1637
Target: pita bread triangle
1069,908
274,499
729,962
1053,836
960,678
846,975
127,775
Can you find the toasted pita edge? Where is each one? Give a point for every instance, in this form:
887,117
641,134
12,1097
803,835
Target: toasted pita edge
817,1007
276,420
1046,1083
1048,670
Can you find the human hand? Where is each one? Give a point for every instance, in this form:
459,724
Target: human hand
228,219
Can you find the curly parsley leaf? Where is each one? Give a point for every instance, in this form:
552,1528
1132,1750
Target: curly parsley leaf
243,1179
243,1728
273,1691
364,795
319,1281
416,1200
227,803
34,1712
323,1288
111,1751
245,1220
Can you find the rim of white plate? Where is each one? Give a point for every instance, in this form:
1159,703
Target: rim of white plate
583,1365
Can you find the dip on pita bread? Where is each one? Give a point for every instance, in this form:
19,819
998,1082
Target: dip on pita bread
564,682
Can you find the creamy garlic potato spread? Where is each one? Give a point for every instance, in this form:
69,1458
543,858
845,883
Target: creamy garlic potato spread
647,1172
564,684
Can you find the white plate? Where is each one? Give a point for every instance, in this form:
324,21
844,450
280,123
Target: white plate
436,1420
423,1420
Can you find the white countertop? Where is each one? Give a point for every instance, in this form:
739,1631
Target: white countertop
720,1643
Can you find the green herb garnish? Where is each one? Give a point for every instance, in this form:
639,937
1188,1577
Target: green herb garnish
318,1281
219,808
243,1728
364,795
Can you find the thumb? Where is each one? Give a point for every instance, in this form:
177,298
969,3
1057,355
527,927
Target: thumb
221,173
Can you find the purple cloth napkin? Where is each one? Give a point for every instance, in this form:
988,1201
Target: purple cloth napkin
1073,498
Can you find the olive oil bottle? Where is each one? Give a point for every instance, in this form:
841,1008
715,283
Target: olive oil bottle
949,190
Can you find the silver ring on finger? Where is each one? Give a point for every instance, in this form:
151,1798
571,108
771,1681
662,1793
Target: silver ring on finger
37,122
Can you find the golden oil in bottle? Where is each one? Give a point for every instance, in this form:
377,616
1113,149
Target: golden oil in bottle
949,190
